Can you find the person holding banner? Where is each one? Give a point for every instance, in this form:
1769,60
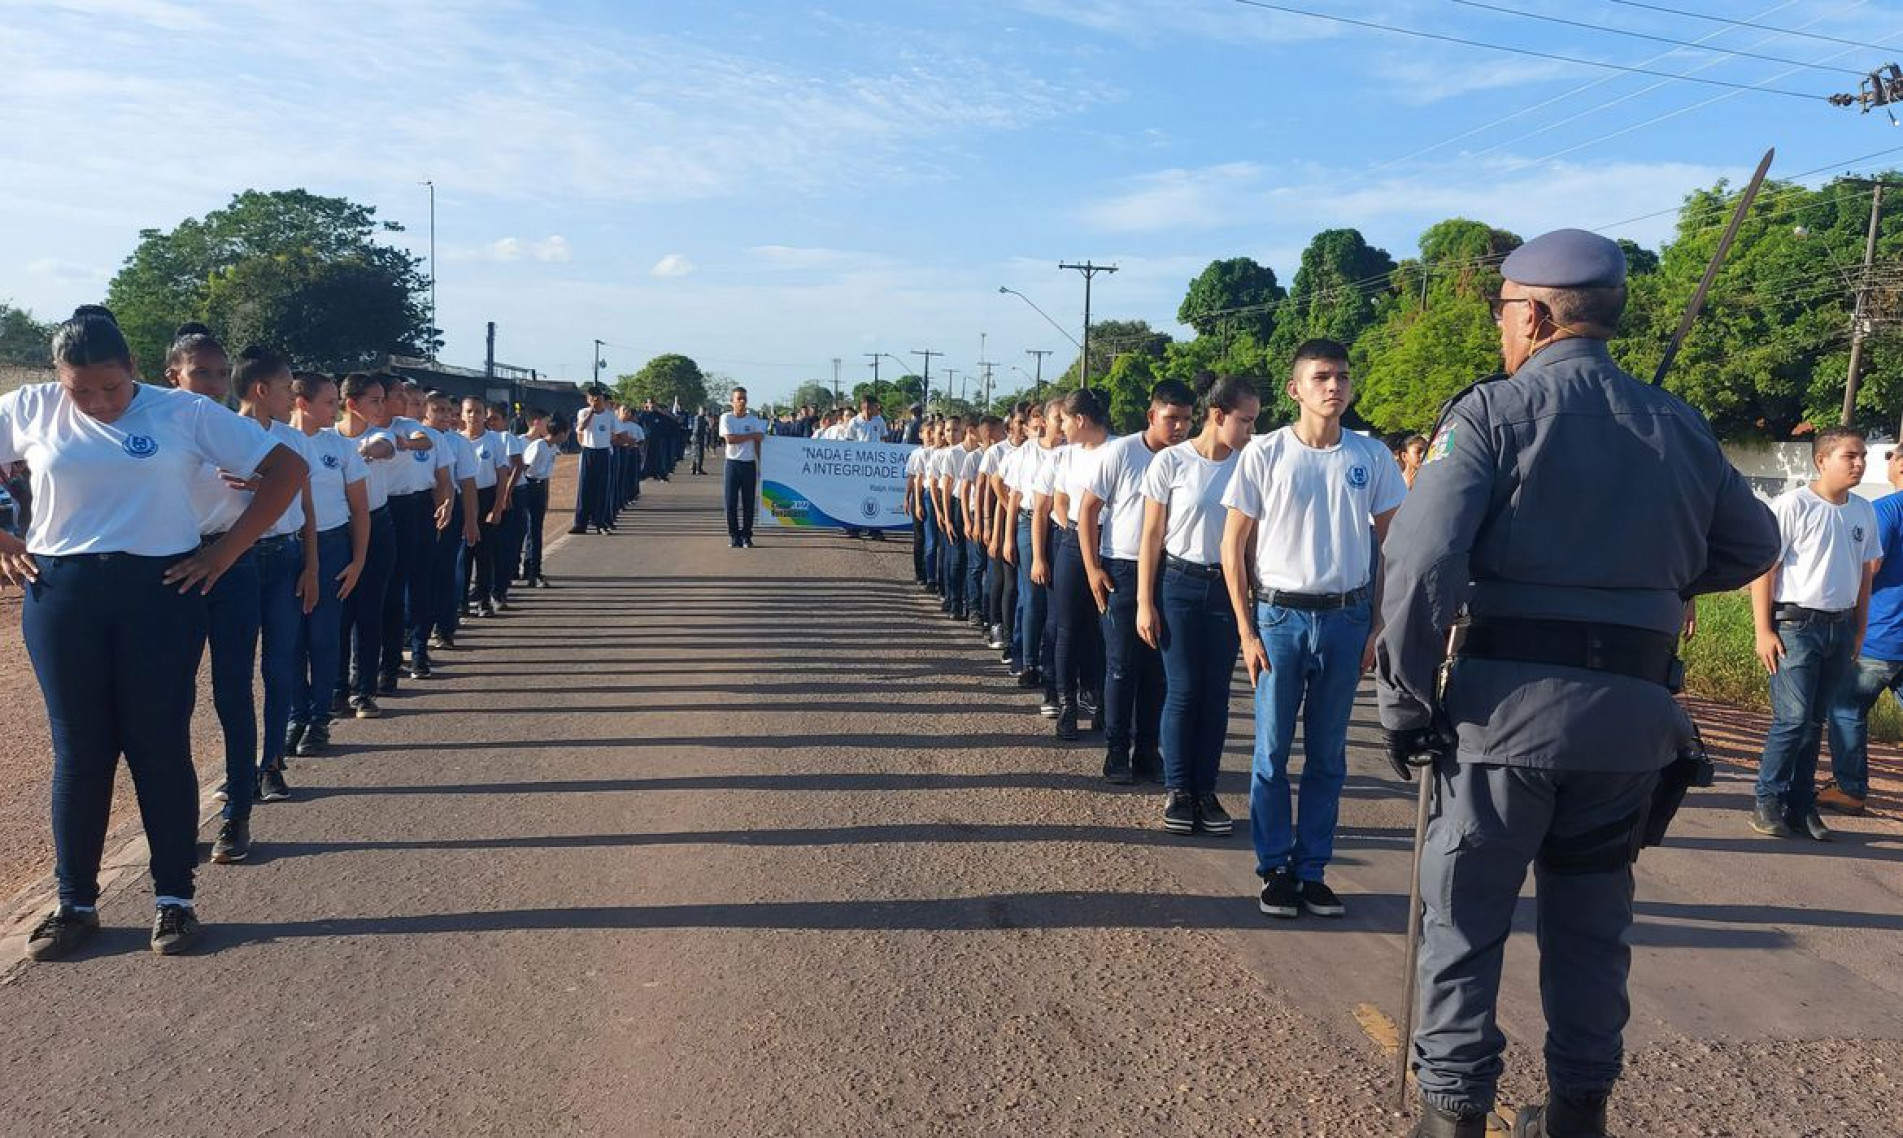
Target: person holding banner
743,433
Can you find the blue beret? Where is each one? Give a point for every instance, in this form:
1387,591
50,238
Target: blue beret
1567,258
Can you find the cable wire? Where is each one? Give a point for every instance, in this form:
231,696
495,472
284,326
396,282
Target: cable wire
1749,24
1655,39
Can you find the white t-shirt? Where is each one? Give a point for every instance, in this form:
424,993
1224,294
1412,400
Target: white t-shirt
217,502
1824,549
1118,480
1190,487
292,519
539,457
382,472
1314,508
463,464
115,487
335,463
995,454
1042,481
968,465
1079,466
594,433
732,424
915,463
412,471
866,430
492,454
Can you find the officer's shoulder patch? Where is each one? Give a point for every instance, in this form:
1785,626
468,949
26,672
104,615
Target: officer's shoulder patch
1442,443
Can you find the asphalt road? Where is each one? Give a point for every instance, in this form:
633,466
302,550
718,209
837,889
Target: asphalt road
705,841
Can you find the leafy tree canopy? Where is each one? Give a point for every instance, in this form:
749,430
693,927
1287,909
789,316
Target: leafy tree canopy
665,379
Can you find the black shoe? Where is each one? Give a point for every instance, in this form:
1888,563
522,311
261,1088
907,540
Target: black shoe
1280,896
221,794
502,605
175,930
1013,670
578,529
1066,720
1149,766
420,670
1211,818
1767,818
541,582
488,609
1050,707
1179,812
1437,1123
315,742
363,707
1563,1117
443,641
63,930
733,543
1812,826
1320,900
272,787
340,704
746,543
234,842
1030,679
386,685
294,738
1117,769
1091,703
959,615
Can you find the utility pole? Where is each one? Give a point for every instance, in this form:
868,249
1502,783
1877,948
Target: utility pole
1089,271
1860,318
1038,390
874,357
835,381
987,365
595,377
949,373
927,377
434,330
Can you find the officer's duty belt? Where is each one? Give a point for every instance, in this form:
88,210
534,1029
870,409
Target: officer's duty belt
1194,568
1620,649
1798,614
1311,601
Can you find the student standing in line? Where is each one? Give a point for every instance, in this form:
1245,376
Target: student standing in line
1879,663
1810,610
703,432
971,489
1002,583
1110,537
413,505
492,458
1019,472
594,433
545,443
951,521
1045,523
1079,651
743,433
115,579
1308,507
1183,602
409,614
340,509
365,422
462,536
632,439
915,462
512,525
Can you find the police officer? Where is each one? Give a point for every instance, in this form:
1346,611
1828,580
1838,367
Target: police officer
1563,518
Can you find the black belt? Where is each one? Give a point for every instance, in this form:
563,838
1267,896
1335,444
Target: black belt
1311,601
1193,568
409,494
1640,653
1799,614
533,481
261,543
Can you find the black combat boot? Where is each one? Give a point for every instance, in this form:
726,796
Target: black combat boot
1563,1116
1066,718
1437,1123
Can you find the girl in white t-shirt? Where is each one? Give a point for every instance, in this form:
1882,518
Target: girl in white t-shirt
366,422
340,513
1079,650
1183,607
115,577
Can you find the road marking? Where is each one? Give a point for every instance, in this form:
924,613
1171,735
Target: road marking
1378,1027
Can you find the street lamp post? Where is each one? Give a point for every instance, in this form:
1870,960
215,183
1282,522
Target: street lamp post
600,363
434,329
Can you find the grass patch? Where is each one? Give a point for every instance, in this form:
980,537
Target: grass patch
1721,664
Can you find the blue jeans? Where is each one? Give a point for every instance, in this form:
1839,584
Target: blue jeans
1199,645
932,538
446,577
116,651
320,644
951,560
1079,650
234,615
1816,660
280,651
534,496
360,631
514,527
1314,669
974,575
1850,721
594,497
1027,635
412,524
740,483
1133,671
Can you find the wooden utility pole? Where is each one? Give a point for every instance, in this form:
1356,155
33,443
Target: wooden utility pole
1089,270
1860,318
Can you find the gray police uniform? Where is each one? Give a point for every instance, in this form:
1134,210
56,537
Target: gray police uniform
1569,493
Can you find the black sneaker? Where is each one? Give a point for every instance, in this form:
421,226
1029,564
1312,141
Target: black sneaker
746,543
488,609
1320,900
363,707
386,685
63,930
1179,812
340,703
234,842
175,930
1211,818
1116,767
1090,703
1767,818
502,605
442,641
316,741
222,794
1031,679
1149,766
1067,721
272,787
420,670
294,737
1049,708
1812,826
1280,897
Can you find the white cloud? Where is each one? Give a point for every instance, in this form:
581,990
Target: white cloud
507,249
1178,199
672,265
1146,21
552,249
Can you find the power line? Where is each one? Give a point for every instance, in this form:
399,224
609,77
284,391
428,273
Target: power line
1749,24
1648,36
1523,50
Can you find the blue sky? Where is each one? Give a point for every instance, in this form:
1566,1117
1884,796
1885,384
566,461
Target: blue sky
766,186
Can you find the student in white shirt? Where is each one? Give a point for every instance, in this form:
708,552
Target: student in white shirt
1110,537
1001,582
1810,610
513,524
1037,546
366,423
915,503
115,578
546,436
952,567
1079,651
492,461
1308,506
1183,603
462,534
1014,513
631,442
414,505
743,433
868,426
340,509
594,434
408,615
969,484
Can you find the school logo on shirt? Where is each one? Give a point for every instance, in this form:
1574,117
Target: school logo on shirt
420,455
330,462
482,452
1856,533
1357,476
141,446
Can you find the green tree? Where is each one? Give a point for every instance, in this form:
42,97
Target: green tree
812,392
305,273
24,340
665,379
1334,296
1231,297
1109,339
1128,384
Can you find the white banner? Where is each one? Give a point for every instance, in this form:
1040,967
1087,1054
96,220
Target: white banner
834,483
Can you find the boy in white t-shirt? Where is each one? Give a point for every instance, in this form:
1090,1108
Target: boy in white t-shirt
1299,564
1810,610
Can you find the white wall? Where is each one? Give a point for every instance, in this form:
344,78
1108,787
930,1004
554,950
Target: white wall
1774,468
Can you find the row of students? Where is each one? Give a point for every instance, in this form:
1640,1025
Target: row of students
1124,577
307,540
